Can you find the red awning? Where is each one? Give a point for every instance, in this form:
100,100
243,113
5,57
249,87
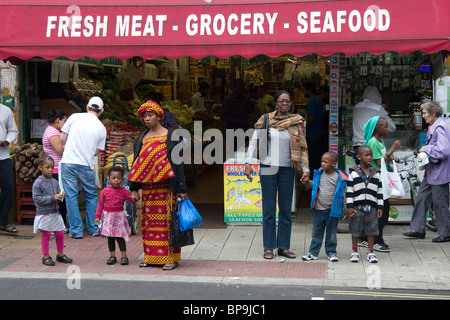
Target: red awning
221,28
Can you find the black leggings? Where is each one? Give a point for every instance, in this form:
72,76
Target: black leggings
112,243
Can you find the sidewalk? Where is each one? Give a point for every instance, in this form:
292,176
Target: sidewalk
234,255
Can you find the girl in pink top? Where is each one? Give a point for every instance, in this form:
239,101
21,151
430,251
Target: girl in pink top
111,216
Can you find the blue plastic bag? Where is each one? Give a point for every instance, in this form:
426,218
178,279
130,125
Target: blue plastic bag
189,216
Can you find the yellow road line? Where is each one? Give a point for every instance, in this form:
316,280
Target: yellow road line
388,294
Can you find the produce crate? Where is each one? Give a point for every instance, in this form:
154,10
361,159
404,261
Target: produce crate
24,200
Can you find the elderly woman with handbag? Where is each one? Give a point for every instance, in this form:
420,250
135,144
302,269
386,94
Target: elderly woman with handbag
287,151
434,188
161,181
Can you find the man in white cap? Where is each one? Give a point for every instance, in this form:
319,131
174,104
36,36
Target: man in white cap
84,137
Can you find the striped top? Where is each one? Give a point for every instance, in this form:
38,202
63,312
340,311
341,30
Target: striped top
362,192
327,187
49,133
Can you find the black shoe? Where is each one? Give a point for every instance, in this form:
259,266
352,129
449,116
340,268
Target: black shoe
48,261
124,261
413,234
441,239
111,260
64,259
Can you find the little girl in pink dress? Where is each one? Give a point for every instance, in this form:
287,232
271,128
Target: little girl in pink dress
111,216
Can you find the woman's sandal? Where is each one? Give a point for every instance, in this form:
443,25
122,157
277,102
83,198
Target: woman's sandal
286,253
268,254
170,267
124,261
111,260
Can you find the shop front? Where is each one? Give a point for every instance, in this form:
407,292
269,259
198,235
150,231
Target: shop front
123,51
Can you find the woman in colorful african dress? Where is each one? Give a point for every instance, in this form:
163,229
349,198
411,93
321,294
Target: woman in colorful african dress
161,182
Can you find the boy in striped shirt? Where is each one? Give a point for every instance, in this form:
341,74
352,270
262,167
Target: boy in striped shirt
364,202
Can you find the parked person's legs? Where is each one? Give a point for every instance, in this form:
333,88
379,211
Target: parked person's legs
69,174
269,200
440,194
285,191
7,192
89,187
423,202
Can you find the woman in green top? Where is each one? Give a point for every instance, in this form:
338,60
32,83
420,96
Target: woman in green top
374,130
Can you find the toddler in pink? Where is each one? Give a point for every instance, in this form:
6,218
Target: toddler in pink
111,216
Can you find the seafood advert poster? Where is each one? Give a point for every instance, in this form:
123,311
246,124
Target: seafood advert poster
242,198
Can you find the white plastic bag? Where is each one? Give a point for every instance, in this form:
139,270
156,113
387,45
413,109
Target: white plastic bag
391,181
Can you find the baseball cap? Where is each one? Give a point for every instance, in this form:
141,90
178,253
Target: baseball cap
95,103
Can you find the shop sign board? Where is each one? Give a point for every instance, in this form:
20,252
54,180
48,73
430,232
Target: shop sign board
120,28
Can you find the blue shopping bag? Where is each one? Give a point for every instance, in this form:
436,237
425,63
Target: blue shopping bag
189,216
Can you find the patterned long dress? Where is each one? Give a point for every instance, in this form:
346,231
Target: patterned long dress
153,170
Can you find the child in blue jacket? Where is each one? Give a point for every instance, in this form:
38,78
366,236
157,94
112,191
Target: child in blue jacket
328,201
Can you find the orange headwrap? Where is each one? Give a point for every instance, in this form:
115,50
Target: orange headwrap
151,106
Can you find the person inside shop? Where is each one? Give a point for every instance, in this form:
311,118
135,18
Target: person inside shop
8,134
198,99
169,120
264,102
287,136
314,126
237,107
371,106
236,111
165,182
434,188
53,147
84,137
374,132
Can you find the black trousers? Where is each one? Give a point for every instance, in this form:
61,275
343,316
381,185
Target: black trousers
8,190
112,243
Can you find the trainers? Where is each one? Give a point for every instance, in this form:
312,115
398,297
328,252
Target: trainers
383,247
333,257
364,244
309,257
354,257
371,257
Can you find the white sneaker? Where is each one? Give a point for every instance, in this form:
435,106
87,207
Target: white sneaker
354,257
309,257
371,257
333,257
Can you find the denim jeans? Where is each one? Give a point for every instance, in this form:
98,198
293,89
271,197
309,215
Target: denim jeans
72,174
323,222
281,182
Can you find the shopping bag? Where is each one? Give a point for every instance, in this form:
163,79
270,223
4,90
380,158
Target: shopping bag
178,238
189,216
391,181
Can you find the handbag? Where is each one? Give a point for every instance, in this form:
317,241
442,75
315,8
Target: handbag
262,141
178,238
188,215
431,159
391,181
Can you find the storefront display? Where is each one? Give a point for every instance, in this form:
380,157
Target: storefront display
170,48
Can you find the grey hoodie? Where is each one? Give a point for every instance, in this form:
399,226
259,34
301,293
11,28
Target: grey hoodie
44,191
